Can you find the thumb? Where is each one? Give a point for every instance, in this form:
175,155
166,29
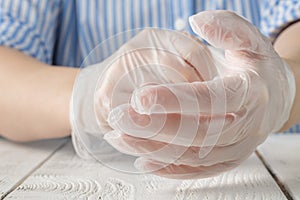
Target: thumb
229,31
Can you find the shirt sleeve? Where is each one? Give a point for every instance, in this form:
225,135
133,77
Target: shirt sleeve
29,26
276,15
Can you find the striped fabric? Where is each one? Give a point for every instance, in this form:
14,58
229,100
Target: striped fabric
64,32
277,15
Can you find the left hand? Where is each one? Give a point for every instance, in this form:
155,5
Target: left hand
210,126
153,56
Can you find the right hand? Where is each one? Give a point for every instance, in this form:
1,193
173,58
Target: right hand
228,116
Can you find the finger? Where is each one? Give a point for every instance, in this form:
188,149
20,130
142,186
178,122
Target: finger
218,96
185,130
239,151
194,52
182,171
182,45
227,30
181,155
151,149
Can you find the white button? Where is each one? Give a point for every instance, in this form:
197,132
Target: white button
180,24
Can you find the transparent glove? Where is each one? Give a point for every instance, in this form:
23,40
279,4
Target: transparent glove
153,57
197,129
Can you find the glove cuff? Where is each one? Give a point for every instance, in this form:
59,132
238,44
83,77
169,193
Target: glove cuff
290,96
82,116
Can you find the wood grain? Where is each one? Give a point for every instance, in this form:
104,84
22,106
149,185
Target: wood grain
17,161
65,176
282,155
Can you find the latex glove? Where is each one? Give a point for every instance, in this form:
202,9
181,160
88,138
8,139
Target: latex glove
152,57
211,126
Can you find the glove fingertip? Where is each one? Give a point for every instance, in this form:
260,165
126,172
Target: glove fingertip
195,25
112,135
147,166
142,100
140,164
201,19
114,117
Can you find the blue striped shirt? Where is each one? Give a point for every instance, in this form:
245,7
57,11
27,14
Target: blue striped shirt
64,32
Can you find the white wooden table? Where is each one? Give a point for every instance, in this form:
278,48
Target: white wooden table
51,170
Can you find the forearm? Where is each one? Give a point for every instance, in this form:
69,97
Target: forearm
288,47
35,97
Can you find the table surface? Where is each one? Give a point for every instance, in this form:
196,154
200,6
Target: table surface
51,170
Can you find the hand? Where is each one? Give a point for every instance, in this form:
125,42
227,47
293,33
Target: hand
152,57
199,129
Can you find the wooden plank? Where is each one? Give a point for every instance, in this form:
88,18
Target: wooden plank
282,155
65,176
17,161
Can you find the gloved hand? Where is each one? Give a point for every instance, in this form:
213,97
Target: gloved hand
150,58
196,129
